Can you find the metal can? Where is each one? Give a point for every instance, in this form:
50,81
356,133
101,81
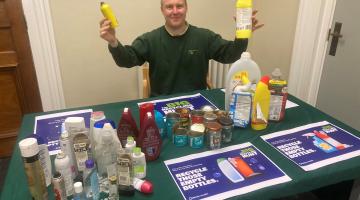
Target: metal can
227,128
184,119
59,186
196,136
180,136
172,118
197,117
213,132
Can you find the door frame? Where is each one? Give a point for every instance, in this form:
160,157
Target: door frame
42,41
309,49
308,54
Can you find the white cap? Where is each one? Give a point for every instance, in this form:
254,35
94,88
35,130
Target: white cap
28,147
78,187
107,133
149,114
74,123
245,54
126,109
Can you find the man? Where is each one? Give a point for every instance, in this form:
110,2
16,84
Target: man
178,53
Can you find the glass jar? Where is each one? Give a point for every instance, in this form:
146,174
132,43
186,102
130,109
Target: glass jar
227,128
184,119
196,136
180,136
197,117
209,117
213,132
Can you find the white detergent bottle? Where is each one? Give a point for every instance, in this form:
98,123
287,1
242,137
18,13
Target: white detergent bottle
233,78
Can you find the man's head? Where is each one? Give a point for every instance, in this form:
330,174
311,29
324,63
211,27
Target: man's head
174,12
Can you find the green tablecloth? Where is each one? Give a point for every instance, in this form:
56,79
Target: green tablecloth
15,186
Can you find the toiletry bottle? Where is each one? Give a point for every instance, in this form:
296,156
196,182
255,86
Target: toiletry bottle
91,181
139,163
127,127
150,139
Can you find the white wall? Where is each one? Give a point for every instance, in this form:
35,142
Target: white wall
89,75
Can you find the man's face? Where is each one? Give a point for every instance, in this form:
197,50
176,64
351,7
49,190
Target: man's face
174,12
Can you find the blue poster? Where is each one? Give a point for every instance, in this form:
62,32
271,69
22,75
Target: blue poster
315,145
49,127
192,102
224,173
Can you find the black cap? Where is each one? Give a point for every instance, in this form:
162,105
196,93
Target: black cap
126,190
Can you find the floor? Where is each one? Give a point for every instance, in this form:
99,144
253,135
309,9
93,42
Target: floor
4,164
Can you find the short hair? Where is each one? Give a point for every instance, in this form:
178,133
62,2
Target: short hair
161,2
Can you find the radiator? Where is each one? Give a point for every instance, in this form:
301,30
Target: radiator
217,74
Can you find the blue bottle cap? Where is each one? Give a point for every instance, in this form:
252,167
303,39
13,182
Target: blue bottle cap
100,124
39,139
89,163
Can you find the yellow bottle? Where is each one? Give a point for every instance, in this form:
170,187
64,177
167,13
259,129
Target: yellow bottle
261,105
109,14
243,19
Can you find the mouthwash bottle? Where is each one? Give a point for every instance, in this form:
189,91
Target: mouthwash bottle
243,19
91,181
261,105
233,78
278,89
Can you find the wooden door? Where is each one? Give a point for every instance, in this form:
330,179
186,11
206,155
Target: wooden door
19,92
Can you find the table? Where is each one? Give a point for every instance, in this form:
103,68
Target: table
15,186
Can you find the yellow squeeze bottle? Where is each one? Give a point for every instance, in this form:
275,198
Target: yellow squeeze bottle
109,14
261,105
243,19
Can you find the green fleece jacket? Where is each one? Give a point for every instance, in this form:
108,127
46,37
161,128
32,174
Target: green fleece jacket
180,63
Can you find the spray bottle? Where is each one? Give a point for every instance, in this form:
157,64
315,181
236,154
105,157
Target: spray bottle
261,105
243,19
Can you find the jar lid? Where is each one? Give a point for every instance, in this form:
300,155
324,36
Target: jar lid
197,128
225,121
208,108
172,115
210,116
184,112
197,112
180,131
28,147
214,126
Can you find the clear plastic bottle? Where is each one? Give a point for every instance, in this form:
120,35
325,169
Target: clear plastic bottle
79,191
244,65
139,163
113,188
91,181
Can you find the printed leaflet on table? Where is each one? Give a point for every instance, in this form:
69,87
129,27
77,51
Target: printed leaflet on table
224,173
49,126
315,145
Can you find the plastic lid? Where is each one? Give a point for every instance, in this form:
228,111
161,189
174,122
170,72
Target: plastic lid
101,123
60,155
146,187
97,115
149,115
214,126
245,55
113,179
89,164
64,134
226,121
137,150
130,140
126,109
265,79
276,73
126,190
28,147
78,187
39,139
210,116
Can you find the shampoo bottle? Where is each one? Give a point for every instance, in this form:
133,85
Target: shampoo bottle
261,105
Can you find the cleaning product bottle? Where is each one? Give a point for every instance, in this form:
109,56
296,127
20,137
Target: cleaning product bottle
109,14
240,102
150,139
278,90
261,105
139,163
233,77
243,19
127,127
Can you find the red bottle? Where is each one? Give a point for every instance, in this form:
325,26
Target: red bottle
144,108
149,139
127,127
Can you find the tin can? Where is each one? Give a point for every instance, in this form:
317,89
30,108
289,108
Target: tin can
197,117
172,118
213,132
184,119
227,128
180,136
59,186
196,136
209,117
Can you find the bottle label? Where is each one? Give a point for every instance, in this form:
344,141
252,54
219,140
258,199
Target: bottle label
197,142
240,108
81,154
151,142
243,18
124,171
180,140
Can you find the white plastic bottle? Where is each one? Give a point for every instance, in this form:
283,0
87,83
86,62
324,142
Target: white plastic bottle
139,163
62,165
233,78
